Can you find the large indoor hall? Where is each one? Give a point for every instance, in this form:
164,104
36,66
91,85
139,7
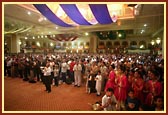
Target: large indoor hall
83,57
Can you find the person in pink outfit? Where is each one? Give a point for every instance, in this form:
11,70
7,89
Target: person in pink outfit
111,80
137,85
155,88
121,89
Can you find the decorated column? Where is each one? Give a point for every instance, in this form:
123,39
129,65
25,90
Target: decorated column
13,43
93,44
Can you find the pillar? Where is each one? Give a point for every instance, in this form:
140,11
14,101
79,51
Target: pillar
93,44
13,43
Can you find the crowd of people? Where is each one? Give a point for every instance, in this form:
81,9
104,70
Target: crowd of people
129,82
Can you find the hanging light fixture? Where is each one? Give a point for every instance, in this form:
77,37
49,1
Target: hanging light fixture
114,16
158,40
152,42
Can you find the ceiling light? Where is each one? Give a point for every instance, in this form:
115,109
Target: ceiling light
38,44
86,34
25,38
114,17
142,31
40,19
152,42
56,27
51,44
145,25
20,42
45,18
142,46
158,40
33,37
29,13
119,35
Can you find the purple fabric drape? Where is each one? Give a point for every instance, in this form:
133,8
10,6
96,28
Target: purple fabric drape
50,15
101,13
72,11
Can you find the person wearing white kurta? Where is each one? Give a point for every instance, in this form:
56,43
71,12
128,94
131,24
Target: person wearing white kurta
77,73
98,83
109,101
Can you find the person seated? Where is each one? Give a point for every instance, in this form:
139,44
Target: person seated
109,102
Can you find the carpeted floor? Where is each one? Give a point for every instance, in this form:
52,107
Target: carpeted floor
21,95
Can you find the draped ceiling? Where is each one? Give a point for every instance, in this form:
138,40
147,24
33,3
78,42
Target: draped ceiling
74,15
70,15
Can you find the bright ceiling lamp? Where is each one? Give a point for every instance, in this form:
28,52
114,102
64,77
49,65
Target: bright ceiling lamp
87,13
57,10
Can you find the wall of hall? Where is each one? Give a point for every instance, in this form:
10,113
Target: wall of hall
90,43
128,43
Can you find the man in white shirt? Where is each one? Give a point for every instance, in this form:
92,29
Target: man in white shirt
64,68
77,73
47,77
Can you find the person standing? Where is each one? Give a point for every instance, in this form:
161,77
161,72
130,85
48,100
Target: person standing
121,87
47,77
64,68
77,73
137,85
71,72
111,80
155,88
56,74
98,83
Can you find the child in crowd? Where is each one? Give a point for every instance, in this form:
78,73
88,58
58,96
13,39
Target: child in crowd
91,83
158,103
132,103
109,102
98,83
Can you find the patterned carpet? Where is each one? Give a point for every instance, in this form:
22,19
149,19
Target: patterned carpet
21,95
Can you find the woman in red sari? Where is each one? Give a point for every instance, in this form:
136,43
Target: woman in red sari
122,87
155,87
111,80
137,85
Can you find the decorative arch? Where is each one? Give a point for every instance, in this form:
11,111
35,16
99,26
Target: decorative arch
64,44
101,45
116,43
28,44
125,44
142,43
108,44
44,44
133,45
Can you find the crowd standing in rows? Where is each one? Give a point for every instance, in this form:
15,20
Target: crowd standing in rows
128,81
